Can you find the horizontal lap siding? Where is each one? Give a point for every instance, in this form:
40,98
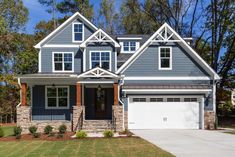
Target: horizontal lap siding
147,64
46,58
39,110
65,36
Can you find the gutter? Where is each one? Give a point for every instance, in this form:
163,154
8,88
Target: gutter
20,92
123,117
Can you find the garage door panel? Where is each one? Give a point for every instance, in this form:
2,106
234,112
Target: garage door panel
163,115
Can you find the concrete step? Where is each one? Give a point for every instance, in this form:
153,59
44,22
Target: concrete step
96,125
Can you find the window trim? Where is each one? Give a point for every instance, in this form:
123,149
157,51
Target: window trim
83,34
57,104
159,58
90,64
64,71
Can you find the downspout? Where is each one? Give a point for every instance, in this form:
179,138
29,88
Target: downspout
20,92
123,117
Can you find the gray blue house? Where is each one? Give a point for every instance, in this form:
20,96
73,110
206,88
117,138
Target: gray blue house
91,80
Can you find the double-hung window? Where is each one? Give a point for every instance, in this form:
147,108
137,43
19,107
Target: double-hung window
57,97
78,32
165,58
100,59
62,61
129,46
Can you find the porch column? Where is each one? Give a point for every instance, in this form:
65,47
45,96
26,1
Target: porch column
115,91
23,94
78,95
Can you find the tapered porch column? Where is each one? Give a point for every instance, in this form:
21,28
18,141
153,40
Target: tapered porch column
23,94
115,91
78,95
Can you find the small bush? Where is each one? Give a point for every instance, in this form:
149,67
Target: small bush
17,130
108,133
48,129
33,129
18,136
81,134
52,134
62,129
36,135
1,132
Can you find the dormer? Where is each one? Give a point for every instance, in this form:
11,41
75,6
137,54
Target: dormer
129,44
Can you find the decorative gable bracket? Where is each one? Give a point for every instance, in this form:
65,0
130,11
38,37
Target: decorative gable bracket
99,37
97,73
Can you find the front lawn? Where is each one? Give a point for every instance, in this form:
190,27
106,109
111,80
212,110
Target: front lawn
99,147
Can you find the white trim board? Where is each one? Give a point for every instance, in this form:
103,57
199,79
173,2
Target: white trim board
166,78
159,58
129,38
165,26
73,17
62,71
60,46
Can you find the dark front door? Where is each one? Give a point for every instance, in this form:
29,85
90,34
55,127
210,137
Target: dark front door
100,103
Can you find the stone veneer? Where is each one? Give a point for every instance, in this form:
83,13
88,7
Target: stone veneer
118,114
77,117
209,120
24,121
126,119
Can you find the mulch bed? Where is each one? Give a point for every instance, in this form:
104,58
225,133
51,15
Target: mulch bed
7,124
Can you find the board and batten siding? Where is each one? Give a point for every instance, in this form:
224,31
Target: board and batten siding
147,64
46,58
39,111
65,36
100,48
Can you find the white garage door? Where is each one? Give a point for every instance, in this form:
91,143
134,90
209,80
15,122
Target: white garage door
163,115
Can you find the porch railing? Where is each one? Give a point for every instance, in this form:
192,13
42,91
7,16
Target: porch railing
40,114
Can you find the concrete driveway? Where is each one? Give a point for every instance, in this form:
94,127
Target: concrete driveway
191,143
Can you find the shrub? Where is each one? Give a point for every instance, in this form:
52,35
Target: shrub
51,134
36,135
226,108
48,129
108,133
62,129
17,132
1,132
33,129
81,134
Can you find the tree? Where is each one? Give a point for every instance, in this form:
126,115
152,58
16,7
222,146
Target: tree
108,16
72,6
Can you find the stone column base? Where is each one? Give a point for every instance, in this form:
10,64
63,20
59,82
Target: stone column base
209,120
23,117
118,115
126,119
77,117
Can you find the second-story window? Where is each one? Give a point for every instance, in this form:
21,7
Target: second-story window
77,32
101,59
129,46
165,58
62,62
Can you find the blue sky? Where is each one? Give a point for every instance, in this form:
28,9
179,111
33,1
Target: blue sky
37,12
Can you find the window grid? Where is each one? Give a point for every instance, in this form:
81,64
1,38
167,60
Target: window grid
78,31
63,61
165,58
59,96
129,46
101,59
173,99
190,99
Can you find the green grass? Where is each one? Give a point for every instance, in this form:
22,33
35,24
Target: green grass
114,147
8,130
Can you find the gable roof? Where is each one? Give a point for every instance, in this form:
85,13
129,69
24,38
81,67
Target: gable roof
166,34
100,36
97,72
72,18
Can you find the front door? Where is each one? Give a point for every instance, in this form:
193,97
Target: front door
100,103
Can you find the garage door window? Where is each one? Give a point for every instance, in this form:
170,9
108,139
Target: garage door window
173,99
139,99
156,99
190,99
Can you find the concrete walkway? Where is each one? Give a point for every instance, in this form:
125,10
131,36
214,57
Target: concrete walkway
191,143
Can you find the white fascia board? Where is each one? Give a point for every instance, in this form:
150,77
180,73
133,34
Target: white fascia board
64,24
139,91
129,38
59,46
166,78
95,82
140,51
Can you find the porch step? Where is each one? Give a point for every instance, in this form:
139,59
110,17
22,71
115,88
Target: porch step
96,125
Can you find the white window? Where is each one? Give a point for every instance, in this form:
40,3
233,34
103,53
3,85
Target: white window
100,59
62,61
156,99
190,99
165,58
78,32
173,99
57,97
139,99
129,46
